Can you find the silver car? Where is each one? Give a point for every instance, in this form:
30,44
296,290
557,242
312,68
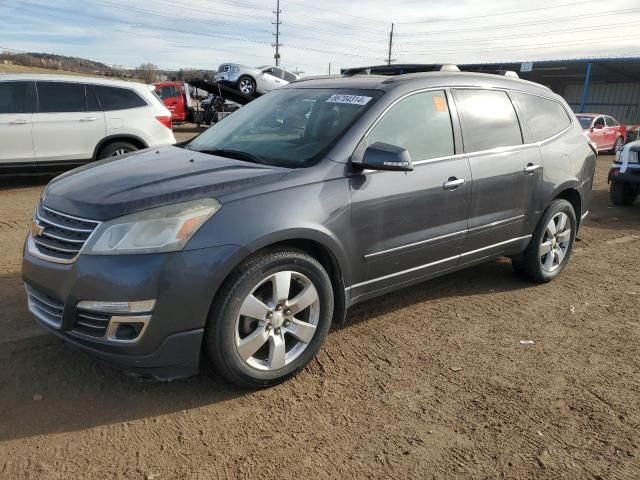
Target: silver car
252,80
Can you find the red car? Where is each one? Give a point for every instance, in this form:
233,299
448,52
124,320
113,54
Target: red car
603,130
176,98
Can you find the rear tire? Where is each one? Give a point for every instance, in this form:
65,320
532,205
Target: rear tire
622,194
617,146
270,318
114,149
551,244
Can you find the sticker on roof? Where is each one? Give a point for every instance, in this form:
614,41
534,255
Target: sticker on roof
349,99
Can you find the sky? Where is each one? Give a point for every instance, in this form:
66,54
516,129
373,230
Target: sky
344,33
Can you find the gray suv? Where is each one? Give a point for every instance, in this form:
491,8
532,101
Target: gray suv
244,246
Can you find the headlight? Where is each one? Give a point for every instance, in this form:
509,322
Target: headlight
163,229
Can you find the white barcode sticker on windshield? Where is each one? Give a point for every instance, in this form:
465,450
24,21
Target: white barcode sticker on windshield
350,99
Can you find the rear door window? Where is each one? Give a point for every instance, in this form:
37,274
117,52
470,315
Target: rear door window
13,97
611,122
115,98
167,91
545,117
61,97
488,120
421,123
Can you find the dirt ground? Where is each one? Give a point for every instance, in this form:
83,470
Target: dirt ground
431,382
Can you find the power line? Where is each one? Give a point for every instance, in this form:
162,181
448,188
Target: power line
523,24
228,37
523,35
528,47
513,12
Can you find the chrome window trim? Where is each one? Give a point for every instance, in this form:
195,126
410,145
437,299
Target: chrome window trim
420,267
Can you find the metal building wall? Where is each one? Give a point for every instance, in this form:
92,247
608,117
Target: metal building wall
620,100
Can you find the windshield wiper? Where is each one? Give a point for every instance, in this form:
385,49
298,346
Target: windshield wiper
235,154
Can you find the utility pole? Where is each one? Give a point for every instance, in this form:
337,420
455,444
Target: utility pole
329,68
277,34
389,60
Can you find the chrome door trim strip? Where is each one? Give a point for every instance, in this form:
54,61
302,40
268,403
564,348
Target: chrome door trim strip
495,224
414,244
369,256
420,267
488,247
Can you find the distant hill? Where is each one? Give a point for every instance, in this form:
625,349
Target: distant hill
63,64
60,62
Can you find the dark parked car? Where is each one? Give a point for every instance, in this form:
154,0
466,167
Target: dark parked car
624,175
250,241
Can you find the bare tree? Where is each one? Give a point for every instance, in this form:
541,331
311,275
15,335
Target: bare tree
148,72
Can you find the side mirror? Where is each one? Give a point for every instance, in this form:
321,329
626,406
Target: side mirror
383,156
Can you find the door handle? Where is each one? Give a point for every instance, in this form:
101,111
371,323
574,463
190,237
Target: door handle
88,119
453,183
18,122
530,168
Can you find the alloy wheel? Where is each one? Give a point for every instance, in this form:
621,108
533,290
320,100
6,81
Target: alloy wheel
277,320
555,242
246,86
120,151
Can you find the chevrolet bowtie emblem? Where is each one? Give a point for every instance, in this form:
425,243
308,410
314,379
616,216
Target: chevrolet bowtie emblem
36,228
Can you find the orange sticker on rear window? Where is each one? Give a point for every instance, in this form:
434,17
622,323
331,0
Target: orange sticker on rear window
440,103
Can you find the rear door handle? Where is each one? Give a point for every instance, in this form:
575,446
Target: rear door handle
530,168
88,119
453,183
18,122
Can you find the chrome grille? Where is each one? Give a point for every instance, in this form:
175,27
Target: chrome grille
44,307
92,324
61,236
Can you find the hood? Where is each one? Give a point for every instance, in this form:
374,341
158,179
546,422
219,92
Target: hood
151,178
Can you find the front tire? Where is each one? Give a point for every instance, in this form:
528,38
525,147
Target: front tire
270,318
247,85
551,244
622,194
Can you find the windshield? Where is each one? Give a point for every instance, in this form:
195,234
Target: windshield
585,122
287,127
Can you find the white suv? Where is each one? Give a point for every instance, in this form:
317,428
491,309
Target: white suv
50,120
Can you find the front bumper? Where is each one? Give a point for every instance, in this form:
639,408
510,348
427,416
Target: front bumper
182,283
630,176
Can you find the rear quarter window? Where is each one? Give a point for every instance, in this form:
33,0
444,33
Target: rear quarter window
544,117
488,120
115,98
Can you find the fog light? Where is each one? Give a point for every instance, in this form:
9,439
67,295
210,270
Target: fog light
128,331
118,307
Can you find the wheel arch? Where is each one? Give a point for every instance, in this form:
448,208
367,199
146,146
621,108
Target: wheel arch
573,196
125,137
319,249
